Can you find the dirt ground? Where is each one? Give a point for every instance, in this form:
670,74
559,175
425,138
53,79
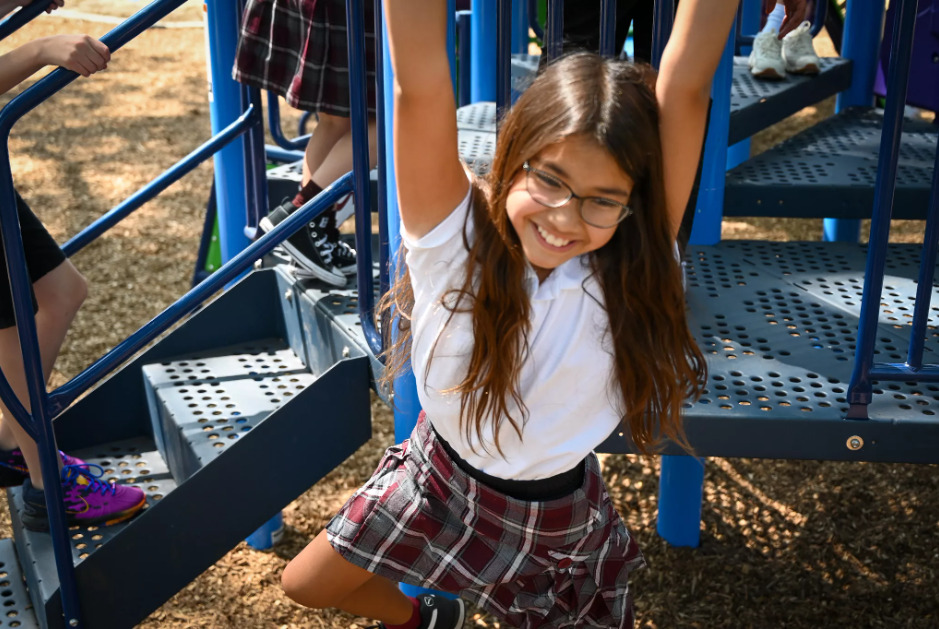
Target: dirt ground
800,544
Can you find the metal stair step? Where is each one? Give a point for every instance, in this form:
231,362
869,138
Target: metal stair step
757,104
16,609
829,171
202,403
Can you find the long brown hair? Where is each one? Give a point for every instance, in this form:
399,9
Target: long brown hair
657,365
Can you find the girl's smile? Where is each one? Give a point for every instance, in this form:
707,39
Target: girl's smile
550,236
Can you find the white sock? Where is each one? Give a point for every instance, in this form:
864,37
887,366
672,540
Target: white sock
775,19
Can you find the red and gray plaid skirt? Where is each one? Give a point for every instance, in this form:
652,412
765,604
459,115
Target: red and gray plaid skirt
297,49
422,520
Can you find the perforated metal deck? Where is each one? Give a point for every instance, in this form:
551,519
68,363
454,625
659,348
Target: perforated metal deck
829,171
777,323
17,610
756,104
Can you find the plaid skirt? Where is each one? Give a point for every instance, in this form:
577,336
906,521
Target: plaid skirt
297,49
422,520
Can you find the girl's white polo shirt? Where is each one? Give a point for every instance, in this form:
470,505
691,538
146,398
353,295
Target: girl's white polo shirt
566,380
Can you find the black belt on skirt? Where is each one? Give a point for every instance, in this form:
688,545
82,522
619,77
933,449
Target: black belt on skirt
551,488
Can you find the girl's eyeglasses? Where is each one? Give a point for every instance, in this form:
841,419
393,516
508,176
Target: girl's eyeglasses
550,191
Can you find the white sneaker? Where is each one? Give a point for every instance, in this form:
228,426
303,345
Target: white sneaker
766,61
798,53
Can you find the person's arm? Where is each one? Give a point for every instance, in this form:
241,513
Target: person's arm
430,177
683,90
79,53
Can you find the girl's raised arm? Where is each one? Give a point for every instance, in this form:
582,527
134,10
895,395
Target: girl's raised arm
683,89
430,177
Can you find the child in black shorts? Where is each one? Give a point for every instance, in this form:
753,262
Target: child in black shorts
58,290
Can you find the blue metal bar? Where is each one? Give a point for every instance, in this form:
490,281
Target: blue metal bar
255,163
863,28
465,51
662,21
483,38
554,37
710,203
282,156
13,22
681,481
904,372
68,392
381,129
301,124
503,56
158,185
225,106
363,215
533,23
274,126
205,241
451,43
608,28
860,390
926,274
519,27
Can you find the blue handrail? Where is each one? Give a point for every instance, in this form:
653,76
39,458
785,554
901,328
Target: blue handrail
161,183
276,129
62,397
662,21
608,28
13,22
360,173
860,391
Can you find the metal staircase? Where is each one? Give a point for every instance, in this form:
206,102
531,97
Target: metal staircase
222,418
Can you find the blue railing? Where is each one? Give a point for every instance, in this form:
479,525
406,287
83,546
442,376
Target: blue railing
13,22
865,369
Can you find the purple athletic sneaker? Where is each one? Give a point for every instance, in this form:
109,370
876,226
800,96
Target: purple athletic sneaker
13,469
87,500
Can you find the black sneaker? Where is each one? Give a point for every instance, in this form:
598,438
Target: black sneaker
309,247
438,612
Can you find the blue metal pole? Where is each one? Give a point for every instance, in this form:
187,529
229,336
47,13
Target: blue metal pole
749,22
503,56
927,268
608,28
682,477
662,20
863,30
225,107
554,33
464,81
710,204
520,27
483,47
11,23
860,389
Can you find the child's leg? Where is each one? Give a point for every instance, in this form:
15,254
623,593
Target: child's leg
329,130
319,577
59,294
339,159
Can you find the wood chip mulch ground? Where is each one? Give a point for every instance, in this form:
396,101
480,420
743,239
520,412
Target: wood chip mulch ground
800,544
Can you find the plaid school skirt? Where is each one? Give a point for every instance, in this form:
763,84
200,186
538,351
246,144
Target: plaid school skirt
297,49
422,520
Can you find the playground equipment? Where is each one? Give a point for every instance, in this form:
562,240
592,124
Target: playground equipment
789,337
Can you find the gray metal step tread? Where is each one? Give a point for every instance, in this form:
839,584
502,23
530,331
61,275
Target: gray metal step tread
216,397
779,337
756,104
829,171
17,609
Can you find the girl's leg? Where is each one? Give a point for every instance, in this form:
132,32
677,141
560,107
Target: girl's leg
339,160
328,131
319,577
59,294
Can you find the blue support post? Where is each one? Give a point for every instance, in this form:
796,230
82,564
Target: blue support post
225,107
483,46
863,31
749,23
682,477
519,27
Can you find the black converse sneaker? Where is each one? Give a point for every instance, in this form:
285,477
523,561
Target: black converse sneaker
309,247
438,612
